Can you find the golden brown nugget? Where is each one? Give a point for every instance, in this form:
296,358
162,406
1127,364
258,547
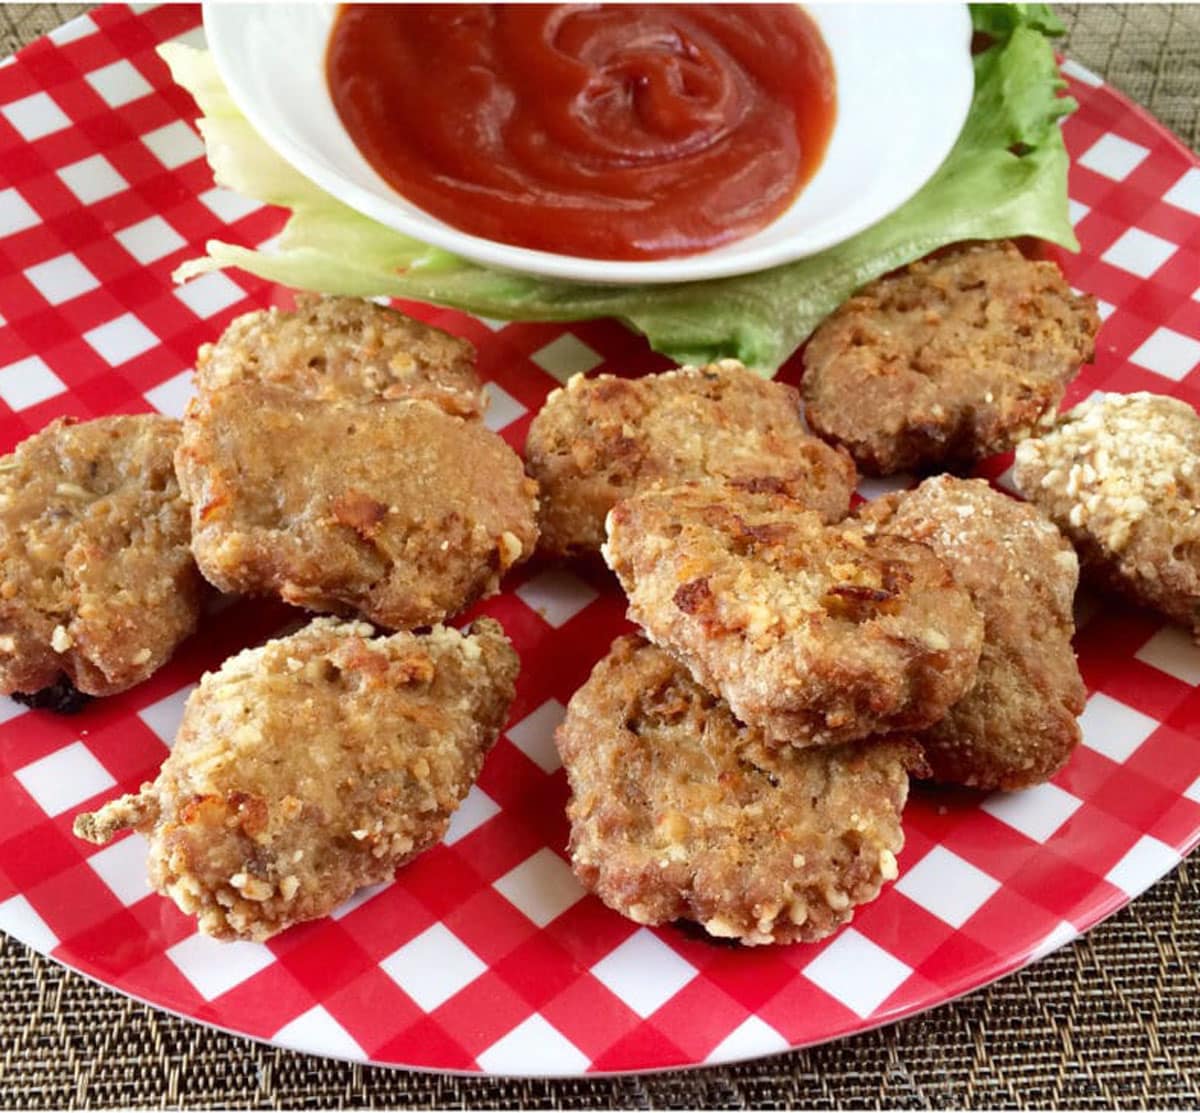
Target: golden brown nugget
345,349
679,811
815,634
956,357
1016,725
314,765
392,509
601,440
1121,478
97,581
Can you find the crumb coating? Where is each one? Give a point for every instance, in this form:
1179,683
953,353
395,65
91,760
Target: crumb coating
599,440
954,358
1120,476
816,634
312,766
680,811
345,349
1017,724
97,581
394,510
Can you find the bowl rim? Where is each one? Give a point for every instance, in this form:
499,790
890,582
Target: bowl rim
221,24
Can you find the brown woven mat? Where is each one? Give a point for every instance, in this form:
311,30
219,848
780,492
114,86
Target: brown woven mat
1113,1020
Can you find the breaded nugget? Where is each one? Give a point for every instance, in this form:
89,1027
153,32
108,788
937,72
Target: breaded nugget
97,582
312,766
345,349
392,509
813,633
679,811
954,358
601,440
1121,478
1016,726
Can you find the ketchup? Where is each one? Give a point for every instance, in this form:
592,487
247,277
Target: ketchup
610,131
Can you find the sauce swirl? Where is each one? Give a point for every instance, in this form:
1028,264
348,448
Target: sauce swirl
608,131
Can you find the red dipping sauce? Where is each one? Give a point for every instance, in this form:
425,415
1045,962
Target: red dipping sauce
604,130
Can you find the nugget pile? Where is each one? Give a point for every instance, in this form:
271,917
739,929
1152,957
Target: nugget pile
749,773
742,763
333,456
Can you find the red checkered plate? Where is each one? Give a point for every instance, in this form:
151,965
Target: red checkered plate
485,954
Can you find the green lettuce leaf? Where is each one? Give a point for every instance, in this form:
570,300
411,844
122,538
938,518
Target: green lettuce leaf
1006,176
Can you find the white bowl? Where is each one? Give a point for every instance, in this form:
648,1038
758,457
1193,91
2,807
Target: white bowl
904,85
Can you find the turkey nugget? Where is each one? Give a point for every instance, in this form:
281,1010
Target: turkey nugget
602,439
1121,477
1016,725
97,582
312,766
392,509
679,811
954,358
815,634
345,348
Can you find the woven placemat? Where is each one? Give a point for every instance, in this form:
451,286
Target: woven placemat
1110,1021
